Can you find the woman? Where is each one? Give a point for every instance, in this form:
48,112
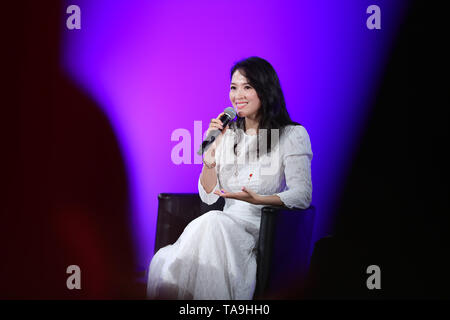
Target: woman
214,258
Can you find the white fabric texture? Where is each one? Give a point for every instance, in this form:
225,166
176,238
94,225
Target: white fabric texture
214,258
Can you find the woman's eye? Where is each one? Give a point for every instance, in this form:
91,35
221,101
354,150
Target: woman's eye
248,87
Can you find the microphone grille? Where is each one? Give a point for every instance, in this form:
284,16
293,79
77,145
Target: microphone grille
230,112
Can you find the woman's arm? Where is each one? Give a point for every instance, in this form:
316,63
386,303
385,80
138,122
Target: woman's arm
273,200
250,196
297,156
208,176
208,180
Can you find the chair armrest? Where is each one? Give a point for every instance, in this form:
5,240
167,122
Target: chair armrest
283,246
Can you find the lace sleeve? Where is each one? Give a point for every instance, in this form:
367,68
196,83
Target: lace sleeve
297,156
208,198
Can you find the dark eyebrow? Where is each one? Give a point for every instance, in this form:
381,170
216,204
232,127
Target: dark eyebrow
243,83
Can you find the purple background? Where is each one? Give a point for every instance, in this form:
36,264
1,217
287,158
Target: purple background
157,66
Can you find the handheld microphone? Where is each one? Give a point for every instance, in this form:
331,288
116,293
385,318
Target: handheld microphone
226,118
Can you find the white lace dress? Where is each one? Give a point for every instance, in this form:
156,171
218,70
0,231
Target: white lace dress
215,257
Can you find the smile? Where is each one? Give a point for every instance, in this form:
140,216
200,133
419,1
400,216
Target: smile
240,105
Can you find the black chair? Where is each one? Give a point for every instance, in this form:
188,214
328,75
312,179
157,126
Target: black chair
284,240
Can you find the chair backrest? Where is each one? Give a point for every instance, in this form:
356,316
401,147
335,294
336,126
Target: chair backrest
175,212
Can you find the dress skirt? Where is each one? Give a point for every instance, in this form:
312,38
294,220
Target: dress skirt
214,258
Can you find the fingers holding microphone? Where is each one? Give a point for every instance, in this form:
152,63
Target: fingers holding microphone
216,124
217,128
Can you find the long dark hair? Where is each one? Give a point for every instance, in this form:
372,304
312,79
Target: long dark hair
273,113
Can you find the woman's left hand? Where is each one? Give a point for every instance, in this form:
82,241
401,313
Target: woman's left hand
245,195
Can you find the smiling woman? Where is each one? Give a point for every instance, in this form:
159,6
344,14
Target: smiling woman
214,258
244,98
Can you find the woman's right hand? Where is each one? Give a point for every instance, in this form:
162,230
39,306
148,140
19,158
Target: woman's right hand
215,124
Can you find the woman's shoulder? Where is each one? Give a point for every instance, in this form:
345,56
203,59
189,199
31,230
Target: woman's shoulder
295,130
296,137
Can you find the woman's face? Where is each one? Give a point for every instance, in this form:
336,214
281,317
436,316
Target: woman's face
244,97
